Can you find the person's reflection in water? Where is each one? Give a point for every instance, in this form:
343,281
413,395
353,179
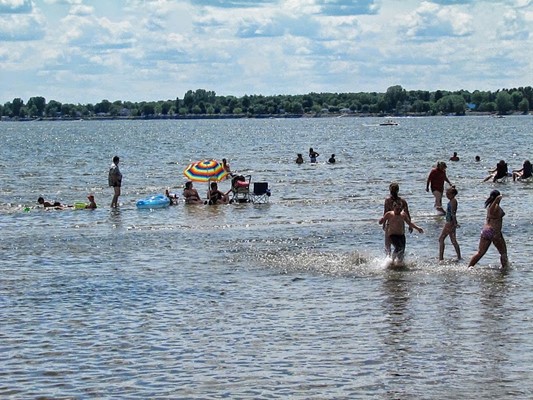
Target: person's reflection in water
398,352
396,290
115,217
498,329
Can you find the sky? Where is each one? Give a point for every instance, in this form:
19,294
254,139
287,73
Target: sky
86,51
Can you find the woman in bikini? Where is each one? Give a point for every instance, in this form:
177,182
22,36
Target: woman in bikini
191,195
492,231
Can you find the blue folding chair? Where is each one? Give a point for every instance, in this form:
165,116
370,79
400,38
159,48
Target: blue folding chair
261,193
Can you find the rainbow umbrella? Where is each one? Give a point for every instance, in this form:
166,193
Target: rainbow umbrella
205,171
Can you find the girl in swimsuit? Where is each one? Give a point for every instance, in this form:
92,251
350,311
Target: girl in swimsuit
451,224
492,231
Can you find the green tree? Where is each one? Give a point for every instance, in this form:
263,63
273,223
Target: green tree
53,108
307,102
148,109
246,102
488,106
16,106
103,107
37,105
394,96
504,103
516,98
523,106
188,100
452,103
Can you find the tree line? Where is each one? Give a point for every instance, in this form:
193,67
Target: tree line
202,103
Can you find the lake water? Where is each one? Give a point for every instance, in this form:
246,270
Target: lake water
289,299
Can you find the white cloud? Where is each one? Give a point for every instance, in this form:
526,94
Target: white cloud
15,6
21,27
431,21
84,51
81,10
513,26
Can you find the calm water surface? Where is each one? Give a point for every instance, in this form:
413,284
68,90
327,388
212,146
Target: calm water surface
289,299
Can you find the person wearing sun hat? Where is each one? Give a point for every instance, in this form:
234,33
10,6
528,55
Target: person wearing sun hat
436,179
92,203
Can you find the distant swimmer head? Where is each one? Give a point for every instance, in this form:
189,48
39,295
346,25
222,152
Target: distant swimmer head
394,188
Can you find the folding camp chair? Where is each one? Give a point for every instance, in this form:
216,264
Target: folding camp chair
261,193
240,188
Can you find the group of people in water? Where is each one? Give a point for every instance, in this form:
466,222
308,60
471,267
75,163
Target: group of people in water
502,172
214,195
396,215
313,155
59,206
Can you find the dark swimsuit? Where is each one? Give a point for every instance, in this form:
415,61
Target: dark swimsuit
398,241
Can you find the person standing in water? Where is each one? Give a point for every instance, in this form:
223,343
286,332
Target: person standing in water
313,155
451,224
115,180
492,231
397,219
455,157
436,179
394,188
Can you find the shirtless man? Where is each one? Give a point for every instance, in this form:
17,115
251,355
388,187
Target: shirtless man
394,188
396,220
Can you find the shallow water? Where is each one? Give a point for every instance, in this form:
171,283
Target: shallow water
286,299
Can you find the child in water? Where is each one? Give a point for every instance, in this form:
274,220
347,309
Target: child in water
92,204
451,224
397,219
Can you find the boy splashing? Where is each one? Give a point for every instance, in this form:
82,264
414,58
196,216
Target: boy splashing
397,219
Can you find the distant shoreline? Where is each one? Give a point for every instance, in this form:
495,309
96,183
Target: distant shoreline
259,116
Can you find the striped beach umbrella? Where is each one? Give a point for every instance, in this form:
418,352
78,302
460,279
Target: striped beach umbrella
205,171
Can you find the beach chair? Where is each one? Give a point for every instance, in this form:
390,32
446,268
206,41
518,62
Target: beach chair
261,193
240,189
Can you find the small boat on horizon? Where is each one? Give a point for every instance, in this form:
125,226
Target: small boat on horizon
389,122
